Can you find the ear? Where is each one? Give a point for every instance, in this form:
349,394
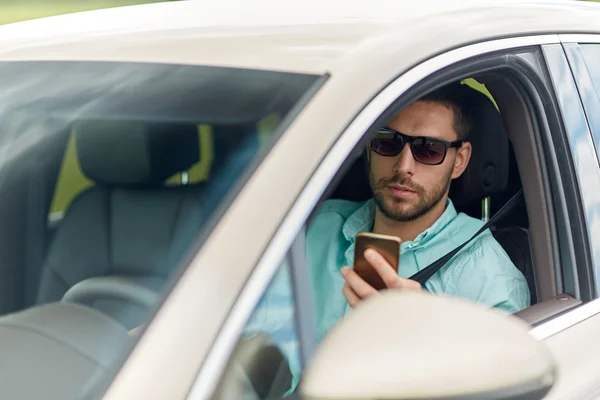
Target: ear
461,161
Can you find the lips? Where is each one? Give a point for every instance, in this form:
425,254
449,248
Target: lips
401,191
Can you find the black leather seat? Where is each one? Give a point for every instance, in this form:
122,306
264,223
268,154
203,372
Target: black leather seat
491,172
129,224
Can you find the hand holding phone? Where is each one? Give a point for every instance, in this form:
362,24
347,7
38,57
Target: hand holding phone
387,246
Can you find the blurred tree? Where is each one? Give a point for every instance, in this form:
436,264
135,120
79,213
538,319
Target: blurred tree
21,10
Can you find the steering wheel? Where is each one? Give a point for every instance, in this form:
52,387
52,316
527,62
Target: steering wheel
111,287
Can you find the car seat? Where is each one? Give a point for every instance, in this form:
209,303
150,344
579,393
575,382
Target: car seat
129,223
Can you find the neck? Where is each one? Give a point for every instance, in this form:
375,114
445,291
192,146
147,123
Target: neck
408,231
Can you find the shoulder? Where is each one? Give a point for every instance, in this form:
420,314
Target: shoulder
484,249
328,221
333,213
484,272
336,207
484,256
465,226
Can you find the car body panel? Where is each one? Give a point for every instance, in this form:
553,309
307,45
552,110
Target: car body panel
576,356
313,37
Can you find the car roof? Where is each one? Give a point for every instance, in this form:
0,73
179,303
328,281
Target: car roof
312,36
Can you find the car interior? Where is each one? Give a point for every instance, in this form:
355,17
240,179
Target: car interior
122,236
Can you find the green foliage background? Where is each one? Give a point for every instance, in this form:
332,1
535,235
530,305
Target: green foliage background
21,10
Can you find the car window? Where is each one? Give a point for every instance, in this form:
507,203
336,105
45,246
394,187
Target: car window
266,361
585,63
326,250
130,163
589,62
344,212
591,54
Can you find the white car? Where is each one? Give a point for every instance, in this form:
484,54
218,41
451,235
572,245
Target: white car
159,165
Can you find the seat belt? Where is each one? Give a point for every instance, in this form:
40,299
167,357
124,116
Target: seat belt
427,272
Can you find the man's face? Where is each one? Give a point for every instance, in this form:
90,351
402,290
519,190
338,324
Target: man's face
405,189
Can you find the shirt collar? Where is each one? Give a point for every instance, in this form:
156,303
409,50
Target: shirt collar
360,220
363,218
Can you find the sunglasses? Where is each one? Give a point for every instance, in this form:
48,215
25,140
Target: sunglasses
429,151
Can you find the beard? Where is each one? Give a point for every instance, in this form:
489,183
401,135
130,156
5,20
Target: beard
406,210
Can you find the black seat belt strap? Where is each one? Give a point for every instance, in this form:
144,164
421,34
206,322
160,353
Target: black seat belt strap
427,272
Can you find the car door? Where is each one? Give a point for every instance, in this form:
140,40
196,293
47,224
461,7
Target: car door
575,73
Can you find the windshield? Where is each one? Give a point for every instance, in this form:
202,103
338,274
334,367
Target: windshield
109,172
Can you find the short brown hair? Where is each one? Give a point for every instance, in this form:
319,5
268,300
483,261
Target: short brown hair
455,96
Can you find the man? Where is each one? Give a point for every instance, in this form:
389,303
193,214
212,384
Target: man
410,178
412,161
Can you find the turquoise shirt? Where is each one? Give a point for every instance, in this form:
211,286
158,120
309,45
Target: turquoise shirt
481,272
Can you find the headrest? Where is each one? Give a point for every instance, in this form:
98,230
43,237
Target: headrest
133,153
488,169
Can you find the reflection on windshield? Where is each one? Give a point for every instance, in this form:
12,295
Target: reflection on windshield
109,172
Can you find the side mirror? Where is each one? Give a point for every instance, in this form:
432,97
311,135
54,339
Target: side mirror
420,346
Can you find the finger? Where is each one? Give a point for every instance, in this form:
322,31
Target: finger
388,274
351,297
357,284
409,284
406,284
383,268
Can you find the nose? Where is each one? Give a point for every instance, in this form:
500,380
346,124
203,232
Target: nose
405,162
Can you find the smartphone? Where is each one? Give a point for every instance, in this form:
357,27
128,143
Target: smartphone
387,246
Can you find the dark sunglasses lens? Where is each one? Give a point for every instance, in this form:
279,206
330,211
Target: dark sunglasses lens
385,147
429,151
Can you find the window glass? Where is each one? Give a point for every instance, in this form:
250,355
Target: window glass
130,161
591,54
591,101
266,361
71,181
589,91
